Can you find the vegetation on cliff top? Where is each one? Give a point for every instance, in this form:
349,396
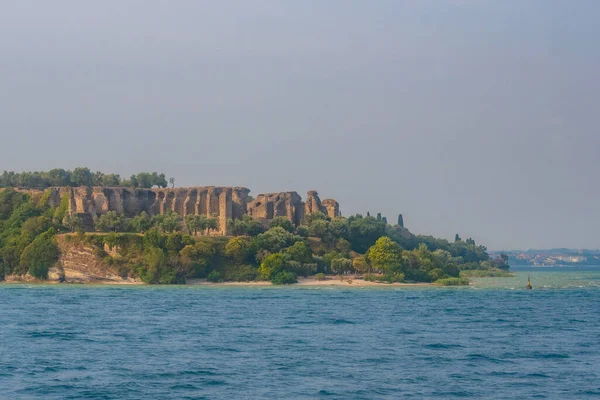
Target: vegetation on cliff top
167,249
81,176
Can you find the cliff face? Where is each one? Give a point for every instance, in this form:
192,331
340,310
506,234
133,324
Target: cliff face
78,263
221,202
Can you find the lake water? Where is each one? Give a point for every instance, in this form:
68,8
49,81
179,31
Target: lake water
491,340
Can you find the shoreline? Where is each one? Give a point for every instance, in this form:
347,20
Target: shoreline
309,281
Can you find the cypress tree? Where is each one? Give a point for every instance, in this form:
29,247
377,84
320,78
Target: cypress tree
400,220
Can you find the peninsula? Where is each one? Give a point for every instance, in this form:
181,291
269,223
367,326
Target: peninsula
98,228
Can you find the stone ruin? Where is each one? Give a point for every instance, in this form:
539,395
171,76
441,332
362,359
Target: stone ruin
223,203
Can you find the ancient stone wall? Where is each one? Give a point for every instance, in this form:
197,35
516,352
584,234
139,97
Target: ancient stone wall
332,208
223,203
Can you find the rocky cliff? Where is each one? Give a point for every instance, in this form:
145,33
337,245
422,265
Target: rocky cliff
224,203
78,263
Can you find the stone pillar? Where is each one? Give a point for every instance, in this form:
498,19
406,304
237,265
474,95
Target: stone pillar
201,202
225,210
189,204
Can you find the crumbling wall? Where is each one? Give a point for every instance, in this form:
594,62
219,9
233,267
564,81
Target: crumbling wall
223,203
332,208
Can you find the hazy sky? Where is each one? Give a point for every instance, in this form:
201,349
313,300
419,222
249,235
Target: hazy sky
473,116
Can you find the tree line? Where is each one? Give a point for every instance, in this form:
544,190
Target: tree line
81,176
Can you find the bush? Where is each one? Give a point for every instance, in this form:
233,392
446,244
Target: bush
392,278
284,278
214,276
40,255
370,278
452,282
321,276
239,273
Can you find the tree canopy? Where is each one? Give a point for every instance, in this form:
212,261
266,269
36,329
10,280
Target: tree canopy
80,176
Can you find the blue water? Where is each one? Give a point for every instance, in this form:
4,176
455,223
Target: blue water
73,342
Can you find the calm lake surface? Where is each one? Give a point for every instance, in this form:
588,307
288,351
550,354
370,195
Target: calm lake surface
491,340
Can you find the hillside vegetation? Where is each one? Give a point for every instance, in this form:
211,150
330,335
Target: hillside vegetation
167,249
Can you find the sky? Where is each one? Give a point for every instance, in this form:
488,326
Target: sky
477,117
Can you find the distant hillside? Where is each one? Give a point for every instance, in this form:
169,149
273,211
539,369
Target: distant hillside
558,256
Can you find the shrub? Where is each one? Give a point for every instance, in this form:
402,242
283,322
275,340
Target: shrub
214,276
320,276
239,273
99,252
392,278
452,282
370,278
284,278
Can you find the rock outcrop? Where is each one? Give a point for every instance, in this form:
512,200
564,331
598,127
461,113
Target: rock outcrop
223,203
78,262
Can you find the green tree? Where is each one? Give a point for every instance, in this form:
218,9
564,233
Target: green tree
302,231
343,247
200,256
271,266
340,228
276,239
144,180
239,249
212,224
247,226
81,177
322,229
72,222
364,232
168,222
194,223
385,255
341,265
10,199
111,221
142,222
400,220
159,180
360,264
155,268
310,218
299,252
172,182
282,222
